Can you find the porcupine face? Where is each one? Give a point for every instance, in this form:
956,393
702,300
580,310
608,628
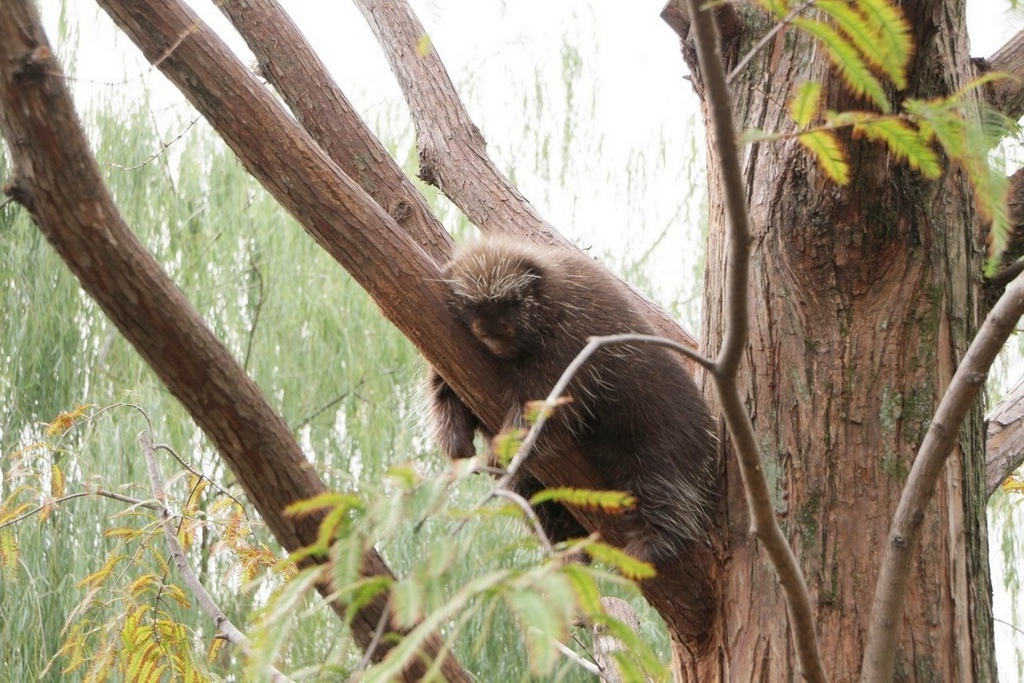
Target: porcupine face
499,300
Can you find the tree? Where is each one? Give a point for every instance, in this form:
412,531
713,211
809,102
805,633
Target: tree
839,405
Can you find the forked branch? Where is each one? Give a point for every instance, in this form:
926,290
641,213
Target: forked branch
764,525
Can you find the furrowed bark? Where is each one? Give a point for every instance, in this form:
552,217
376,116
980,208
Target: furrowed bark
939,442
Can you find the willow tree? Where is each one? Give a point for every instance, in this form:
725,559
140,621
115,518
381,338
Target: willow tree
863,299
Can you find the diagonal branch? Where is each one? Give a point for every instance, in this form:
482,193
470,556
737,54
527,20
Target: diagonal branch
1004,443
58,181
762,516
403,281
943,435
453,153
288,61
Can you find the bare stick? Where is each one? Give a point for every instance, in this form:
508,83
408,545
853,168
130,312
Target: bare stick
551,403
943,435
763,524
81,494
224,625
527,509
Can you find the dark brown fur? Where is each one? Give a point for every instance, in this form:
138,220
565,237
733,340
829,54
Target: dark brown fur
635,409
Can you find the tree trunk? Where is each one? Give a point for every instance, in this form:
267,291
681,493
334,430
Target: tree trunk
863,300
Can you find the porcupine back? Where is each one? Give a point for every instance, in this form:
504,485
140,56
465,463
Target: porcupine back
635,409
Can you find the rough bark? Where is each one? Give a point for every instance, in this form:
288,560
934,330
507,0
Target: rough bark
1007,94
864,299
58,181
1004,447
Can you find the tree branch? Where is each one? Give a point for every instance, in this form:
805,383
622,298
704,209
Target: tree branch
1007,95
403,281
453,153
1004,444
288,61
57,180
942,437
734,343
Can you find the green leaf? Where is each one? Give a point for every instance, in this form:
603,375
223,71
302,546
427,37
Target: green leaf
543,624
346,560
407,601
895,39
905,142
584,587
805,104
411,645
966,140
506,443
627,565
607,501
847,59
323,501
276,624
872,39
830,154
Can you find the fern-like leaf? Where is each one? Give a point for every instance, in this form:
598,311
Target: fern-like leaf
9,556
893,30
626,564
848,60
830,154
805,104
865,35
905,142
609,502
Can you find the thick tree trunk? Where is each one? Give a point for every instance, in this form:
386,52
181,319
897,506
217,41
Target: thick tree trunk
863,300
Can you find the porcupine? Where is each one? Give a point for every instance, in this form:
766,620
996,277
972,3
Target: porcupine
635,410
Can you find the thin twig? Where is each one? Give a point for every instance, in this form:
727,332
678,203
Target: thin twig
256,315
378,636
551,403
81,494
571,654
1006,623
199,475
734,342
220,620
531,515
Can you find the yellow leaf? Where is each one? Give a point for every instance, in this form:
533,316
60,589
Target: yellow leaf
423,46
66,421
57,484
805,104
830,154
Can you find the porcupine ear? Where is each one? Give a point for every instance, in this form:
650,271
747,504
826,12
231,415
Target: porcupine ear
534,271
